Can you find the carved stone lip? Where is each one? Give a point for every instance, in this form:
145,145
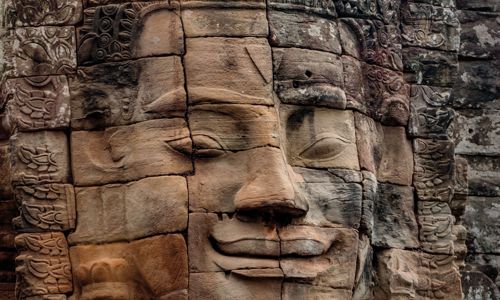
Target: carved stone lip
254,240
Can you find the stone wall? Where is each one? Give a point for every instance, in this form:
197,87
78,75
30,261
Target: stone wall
477,104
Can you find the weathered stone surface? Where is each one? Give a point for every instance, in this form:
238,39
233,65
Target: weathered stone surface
395,225
430,67
486,5
308,77
406,275
429,117
224,18
387,95
384,150
482,218
38,13
477,132
436,227
386,10
39,157
42,264
319,137
230,127
224,70
477,84
151,268
218,286
150,148
36,51
36,103
363,289
241,182
430,27
434,169
372,41
292,290
370,188
479,34
154,205
483,177
326,8
124,31
5,186
489,264
476,285
332,200
298,29
461,187
354,90
49,207
123,93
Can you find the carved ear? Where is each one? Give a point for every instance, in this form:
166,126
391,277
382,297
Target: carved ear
260,62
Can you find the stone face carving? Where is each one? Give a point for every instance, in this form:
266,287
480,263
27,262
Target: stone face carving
36,103
45,207
43,265
224,70
153,205
99,157
241,18
123,31
37,13
33,51
39,157
149,88
130,270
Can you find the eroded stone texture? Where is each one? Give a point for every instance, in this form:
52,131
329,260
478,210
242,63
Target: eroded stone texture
308,77
49,207
42,265
124,31
482,217
436,227
479,34
39,157
149,148
434,170
477,132
7,251
5,186
154,267
384,150
354,90
36,103
405,274
430,67
224,18
476,285
224,70
152,206
38,13
47,50
291,28
319,137
395,225
113,94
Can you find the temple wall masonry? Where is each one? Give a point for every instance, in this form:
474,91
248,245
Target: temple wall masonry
249,149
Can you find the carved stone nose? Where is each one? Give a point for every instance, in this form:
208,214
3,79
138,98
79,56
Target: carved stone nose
269,188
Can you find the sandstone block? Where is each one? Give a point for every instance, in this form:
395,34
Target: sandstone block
291,28
218,286
39,13
292,290
476,132
39,157
319,137
436,225
37,103
479,34
325,8
122,93
36,51
224,18
406,274
132,30
308,77
430,67
483,221
477,285
154,268
483,176
125,153
242,183
232,127
395,225
224,70
354,90
5,185
49,207
42,264
386,10
150,206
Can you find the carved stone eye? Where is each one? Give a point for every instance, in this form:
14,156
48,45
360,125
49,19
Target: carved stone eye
324,148
207,146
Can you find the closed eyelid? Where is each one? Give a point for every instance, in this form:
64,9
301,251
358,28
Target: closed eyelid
322,136
330,139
